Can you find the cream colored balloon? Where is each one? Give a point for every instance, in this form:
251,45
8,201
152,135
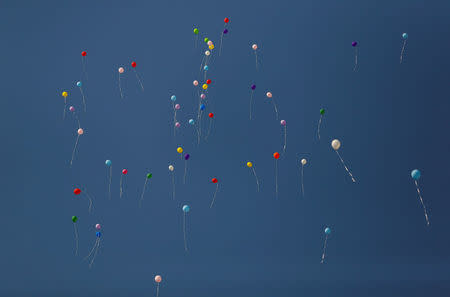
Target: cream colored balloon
303,161
171,168
336,144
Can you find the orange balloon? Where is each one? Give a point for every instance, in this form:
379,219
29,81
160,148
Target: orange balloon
276,155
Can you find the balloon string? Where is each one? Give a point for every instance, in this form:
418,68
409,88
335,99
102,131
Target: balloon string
184,232
318,126
285,139
120,88
84,99
403,50
121,190
348,171
110,179
324,249
173,186
83,63
276,179
221,40
139,79
275,107
201,64
185,171
423,204
214,197
251,101
74,149
95,254
90,200
256,177
143,191
157,290
209,129
76,238
356,59
92,250
256,60
303,188
65,106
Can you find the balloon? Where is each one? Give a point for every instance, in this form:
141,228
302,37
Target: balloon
191,122
211,47
158,278
187,156
209,42
336,144
173,98
303,161
205,86
211,115
149,175
206,68
283,123
206,39
177,124
108,162
79,84
195,83
65,94
249,164
254,47
80,131
202,106
74,219
98,227
98,234
171,168
208,81
72,108
133,64
121,70
186,208
180,150
203,96
77,191
253,87
322,111
327,231
124,171
415,174
83,53
207,53
195,31
226,20
354,43
276,155
269,95
214,180
405,36
225,31
177,106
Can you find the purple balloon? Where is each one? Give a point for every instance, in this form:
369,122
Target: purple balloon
253,87
225,31
72,108
187,156
354,43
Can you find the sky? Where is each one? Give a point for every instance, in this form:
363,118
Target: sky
390,117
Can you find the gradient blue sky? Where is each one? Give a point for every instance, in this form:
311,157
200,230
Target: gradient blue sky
390,118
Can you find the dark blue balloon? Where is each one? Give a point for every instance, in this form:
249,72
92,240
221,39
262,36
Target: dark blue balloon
202,107
98,234
187,156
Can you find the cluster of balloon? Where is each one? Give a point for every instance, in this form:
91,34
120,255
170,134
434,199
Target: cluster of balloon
65,94
147,177
270,96
250,165
416,174
96,246
196,37
158,280
133,65
214,181
77,191
108,164
404,37
121,70
171,169
186,208
84,63
186,157
124,173
336,144
276,156
79,133
284,125
303,163
80,86
255,50
355,45
322,112
74,221
327,232
72,110
225,31
211,116
252,90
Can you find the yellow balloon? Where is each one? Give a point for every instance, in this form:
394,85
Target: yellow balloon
205,86
249,164
65,94
180,150
211,46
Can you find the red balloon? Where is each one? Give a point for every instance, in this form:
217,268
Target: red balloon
226,20
124,171
211,115
77,191
208,81
214,180
83,53
276,155
133,64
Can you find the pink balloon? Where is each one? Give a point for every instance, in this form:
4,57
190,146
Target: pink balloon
98,227
80,131
209,42
269,95
195,83
255,47
203,96
72,108
177,125
158,278
177,106
283,123
121,70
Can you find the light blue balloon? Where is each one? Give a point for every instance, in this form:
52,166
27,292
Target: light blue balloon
327,231
108,162
405,35
186,208
206,68
415,174
202,106
173,98
191,121
79,84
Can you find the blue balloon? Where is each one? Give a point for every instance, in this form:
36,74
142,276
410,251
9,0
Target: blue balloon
79,84
191,121
405,35
108,162
206,68
98,234
173,98
202,106
415,174
186,208
327,231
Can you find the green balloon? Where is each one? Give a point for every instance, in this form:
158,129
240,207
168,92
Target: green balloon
206,39
149,175
322,111
195,31
74,219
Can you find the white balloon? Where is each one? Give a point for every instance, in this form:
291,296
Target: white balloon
207,53
171,168
336,144
303,161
